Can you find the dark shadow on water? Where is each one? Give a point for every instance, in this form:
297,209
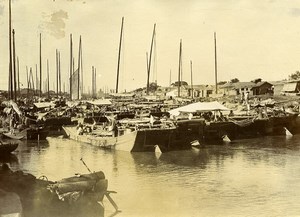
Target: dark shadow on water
9,158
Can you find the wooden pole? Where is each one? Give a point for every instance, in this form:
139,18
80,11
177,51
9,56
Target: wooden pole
95,83
79,61
59,73
27,76
36,79
150,57
18,76
192,93
14,68
216,70
92,81
119,56
10,86
179,69
48,81
40,92
56,73
71,64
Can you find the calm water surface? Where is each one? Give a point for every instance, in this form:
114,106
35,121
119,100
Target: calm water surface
255,177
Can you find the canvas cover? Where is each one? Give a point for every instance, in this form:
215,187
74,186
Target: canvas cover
199,107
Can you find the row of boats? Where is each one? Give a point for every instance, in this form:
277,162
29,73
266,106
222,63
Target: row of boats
140,128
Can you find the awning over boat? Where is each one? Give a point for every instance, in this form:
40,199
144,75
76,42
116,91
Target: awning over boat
199,107
100,102
40,105
289,87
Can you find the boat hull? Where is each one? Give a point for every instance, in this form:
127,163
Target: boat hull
145,140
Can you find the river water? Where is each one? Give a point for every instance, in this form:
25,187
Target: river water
254,177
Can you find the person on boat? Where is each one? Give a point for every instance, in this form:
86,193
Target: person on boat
230,113
190,116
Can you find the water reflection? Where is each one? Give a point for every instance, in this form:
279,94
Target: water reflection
11,159
255,176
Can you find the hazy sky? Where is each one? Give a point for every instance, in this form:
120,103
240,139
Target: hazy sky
256,39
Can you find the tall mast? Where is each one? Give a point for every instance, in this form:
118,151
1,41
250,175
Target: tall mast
59,73
192,94
27,76
95,85
92,81
71,64
48,82
79,61
119,56
179,69
14,68
10,85
216,70
40,93
149,64
56,73
18,76
36,79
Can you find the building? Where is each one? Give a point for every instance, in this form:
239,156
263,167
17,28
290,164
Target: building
200,91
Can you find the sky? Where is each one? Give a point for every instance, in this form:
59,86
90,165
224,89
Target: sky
255,39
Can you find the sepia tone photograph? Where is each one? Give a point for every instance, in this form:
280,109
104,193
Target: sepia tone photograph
149,108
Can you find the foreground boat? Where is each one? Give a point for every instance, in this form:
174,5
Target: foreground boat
79,196
7,147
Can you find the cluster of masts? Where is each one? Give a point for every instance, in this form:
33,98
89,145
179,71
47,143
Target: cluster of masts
76,76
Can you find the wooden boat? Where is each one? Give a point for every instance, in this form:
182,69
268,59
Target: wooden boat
133,135
7,147
37,133
15,136
77,196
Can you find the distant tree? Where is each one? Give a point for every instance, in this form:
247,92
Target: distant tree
294,76
222,82
234,80
257,80
182,83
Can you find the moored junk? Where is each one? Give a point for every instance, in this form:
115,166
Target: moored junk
134,135
219,122
81,195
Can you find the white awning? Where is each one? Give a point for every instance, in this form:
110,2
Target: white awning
40,105
199,107
289,87
100,102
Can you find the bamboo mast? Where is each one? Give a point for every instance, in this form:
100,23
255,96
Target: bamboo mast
150,56
18,76
95,73
14,68
27,76
40,92
216,70
48,82
79,61
179,69
92,81
10,84
59,73
192,94
71,64
56,73
119,55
